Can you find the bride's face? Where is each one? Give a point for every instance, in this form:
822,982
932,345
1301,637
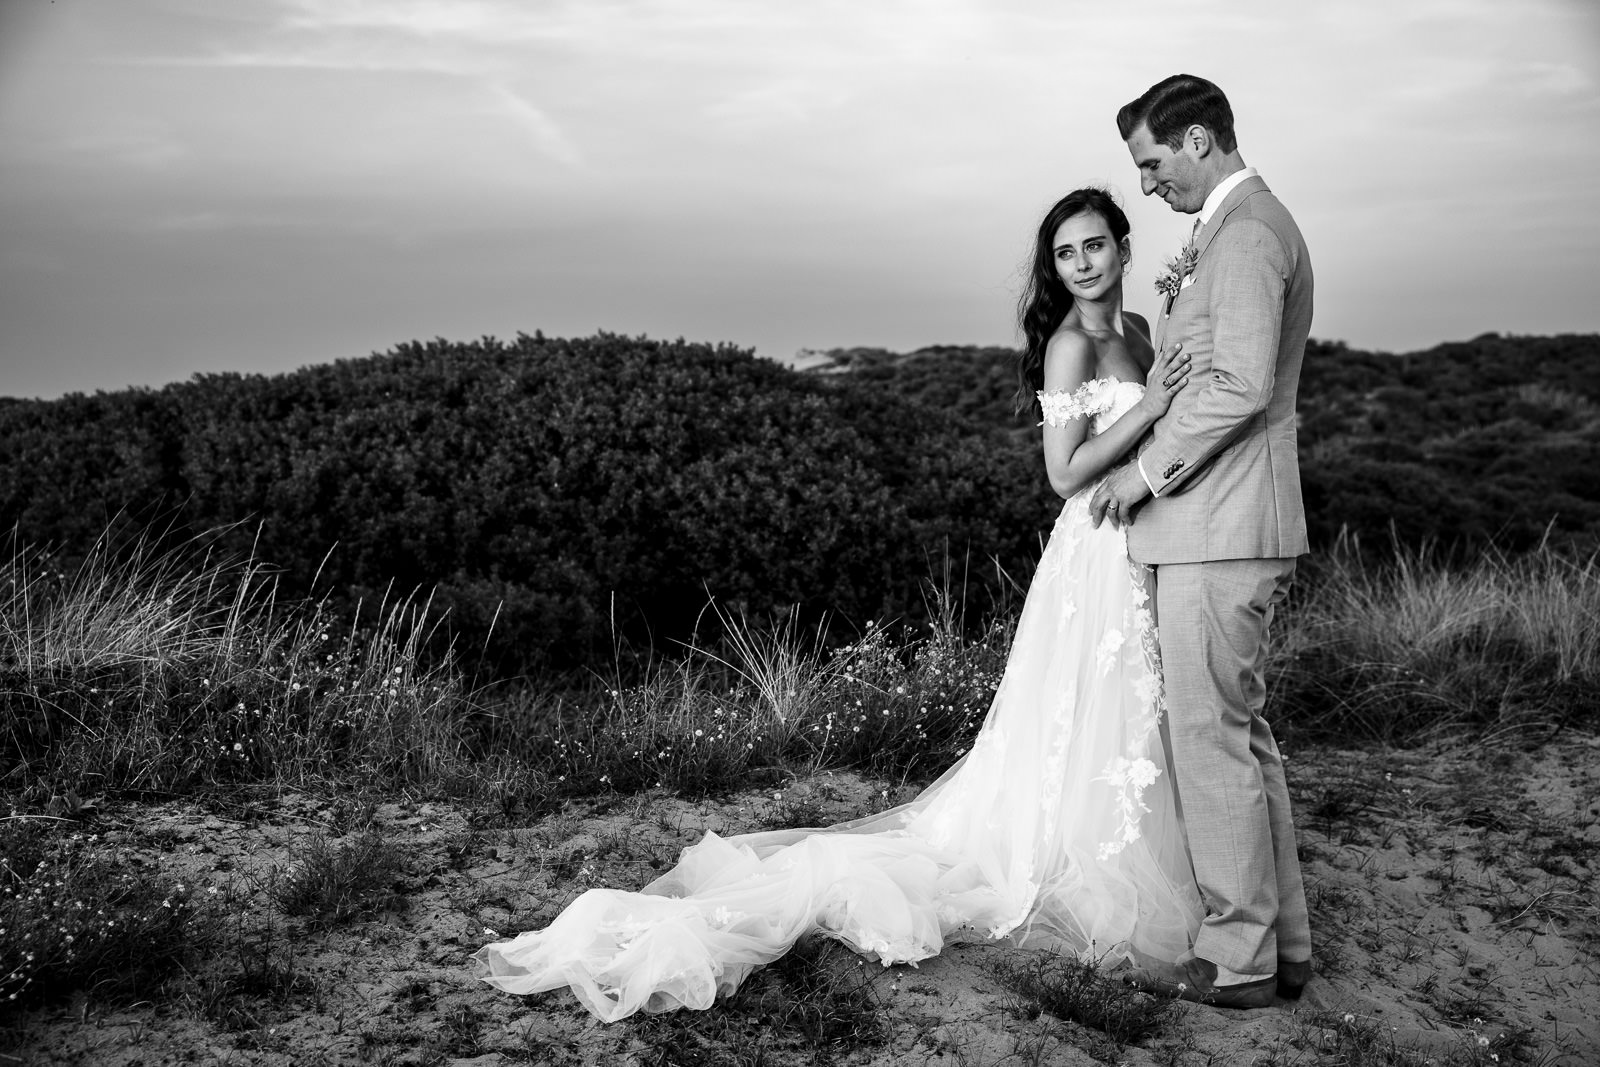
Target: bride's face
1087,257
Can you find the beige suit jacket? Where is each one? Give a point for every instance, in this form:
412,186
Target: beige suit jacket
1223,460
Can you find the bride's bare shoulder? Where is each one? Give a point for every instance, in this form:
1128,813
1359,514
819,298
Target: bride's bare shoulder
1069,357
1069,338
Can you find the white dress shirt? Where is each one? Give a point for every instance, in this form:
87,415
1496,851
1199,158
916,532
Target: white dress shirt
1220,193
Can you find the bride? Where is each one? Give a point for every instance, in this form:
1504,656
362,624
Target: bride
1058,827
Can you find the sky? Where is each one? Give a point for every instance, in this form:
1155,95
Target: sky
191,186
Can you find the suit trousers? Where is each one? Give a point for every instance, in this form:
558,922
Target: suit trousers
1213,619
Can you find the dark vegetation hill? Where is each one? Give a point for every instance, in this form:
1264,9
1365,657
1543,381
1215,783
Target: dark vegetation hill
560,492
551,490
1490,441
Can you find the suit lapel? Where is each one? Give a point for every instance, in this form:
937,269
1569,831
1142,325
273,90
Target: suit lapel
1236,196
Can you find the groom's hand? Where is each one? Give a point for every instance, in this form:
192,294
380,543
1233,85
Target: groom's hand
1123,490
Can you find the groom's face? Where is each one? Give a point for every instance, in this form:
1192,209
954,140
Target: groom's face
1174,176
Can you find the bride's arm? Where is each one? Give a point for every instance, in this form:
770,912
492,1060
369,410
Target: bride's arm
1074,459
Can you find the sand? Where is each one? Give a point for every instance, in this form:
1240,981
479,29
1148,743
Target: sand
1453,893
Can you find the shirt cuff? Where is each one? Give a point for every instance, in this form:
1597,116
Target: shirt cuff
1139,460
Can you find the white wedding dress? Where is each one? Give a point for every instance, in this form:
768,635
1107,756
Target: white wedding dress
1058,828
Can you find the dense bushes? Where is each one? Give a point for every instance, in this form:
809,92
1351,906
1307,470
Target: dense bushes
544,485
1489,441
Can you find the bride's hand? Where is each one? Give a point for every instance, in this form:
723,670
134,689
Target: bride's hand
1168,374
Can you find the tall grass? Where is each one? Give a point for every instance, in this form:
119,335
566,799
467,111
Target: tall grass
1417,648
175,671
170,671
767,701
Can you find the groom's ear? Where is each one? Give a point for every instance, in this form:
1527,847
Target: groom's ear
1197,139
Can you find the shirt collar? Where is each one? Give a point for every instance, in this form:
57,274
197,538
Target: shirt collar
1220,193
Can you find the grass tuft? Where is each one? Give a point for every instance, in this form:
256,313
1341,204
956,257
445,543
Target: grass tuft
820,999
1352,1040
331,884
1079,991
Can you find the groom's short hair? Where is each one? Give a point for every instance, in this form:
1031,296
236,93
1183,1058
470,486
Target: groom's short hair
1171,106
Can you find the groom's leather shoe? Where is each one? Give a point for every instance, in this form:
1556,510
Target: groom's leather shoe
1292,978
1196,980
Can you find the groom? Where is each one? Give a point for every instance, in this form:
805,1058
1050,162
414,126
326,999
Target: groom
1219,517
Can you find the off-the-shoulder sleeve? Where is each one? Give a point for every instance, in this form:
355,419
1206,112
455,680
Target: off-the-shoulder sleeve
1061,407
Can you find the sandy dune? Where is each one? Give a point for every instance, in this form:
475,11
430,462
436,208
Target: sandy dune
1453,892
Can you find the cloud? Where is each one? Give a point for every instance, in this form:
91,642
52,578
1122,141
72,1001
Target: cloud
547,136
787,99
141,145
1554,79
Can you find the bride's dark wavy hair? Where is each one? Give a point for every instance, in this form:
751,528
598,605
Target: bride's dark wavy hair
1045,300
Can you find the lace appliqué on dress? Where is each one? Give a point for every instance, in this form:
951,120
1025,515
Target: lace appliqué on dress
1091,398
1132,773
1131,778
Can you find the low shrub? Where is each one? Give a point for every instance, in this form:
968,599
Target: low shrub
76,912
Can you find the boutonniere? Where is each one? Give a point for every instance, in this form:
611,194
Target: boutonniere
1179,267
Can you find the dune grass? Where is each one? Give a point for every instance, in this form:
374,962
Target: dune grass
770,703
1416,648
167,672
170,672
